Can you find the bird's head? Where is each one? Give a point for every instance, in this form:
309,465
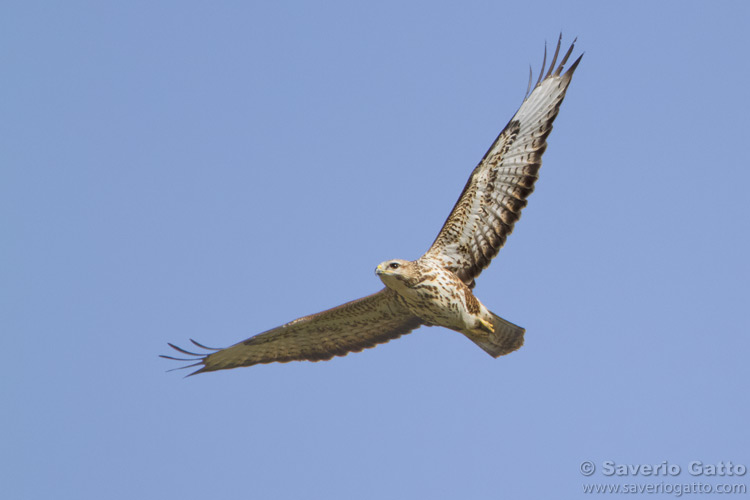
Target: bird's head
397,273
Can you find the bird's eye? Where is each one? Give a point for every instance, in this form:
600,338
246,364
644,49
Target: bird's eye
394,265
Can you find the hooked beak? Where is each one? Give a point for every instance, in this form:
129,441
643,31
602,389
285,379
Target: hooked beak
380,270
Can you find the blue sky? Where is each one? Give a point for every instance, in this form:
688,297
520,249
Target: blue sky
209,170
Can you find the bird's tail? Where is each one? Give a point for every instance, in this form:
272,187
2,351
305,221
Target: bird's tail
506,338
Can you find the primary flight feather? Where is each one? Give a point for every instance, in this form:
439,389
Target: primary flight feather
435,289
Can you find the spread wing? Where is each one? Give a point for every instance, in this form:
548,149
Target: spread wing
350,327
492,199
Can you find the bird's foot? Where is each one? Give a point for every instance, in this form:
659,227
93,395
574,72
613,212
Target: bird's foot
486,325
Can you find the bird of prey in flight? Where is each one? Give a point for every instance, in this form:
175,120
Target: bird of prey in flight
435,289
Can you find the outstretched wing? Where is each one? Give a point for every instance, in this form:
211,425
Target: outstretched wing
492,199
350,327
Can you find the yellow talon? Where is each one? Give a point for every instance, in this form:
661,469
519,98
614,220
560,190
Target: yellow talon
487,325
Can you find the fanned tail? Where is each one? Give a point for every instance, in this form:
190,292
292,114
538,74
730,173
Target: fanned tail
506,338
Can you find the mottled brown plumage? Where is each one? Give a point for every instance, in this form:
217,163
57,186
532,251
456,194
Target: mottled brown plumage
350,327
496,192
436,288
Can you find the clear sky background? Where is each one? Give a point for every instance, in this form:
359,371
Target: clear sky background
209,170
